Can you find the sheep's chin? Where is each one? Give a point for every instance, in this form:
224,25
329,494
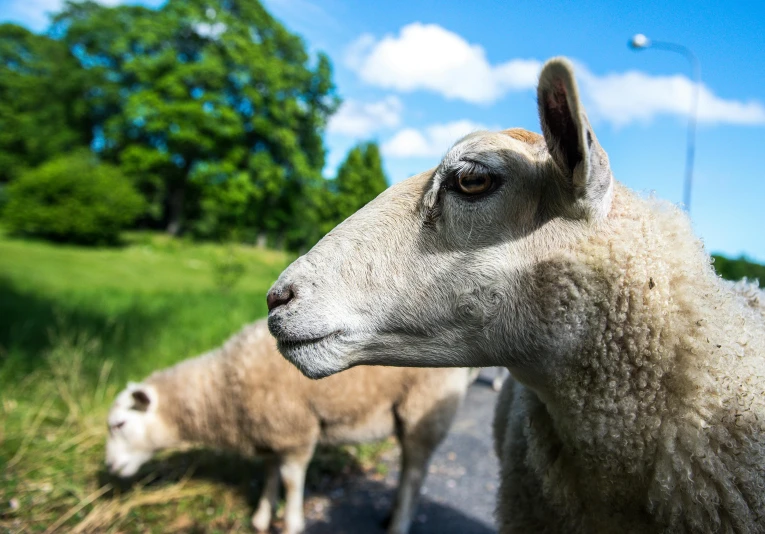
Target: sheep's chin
133,464
124,461
316,358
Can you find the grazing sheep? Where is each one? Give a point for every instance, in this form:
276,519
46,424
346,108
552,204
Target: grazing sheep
246,398
638,399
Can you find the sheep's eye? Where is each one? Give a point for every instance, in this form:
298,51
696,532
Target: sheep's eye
115,426
474,184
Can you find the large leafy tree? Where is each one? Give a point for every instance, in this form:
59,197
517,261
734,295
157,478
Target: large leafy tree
214,107
360,178
42,107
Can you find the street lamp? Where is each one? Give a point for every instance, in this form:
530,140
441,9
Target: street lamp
641,42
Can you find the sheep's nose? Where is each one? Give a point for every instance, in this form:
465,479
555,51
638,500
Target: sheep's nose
279,296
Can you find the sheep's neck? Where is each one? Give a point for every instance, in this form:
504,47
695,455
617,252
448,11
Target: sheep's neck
195,401
632,409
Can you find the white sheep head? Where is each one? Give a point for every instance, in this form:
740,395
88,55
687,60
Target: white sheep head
439,269
135,430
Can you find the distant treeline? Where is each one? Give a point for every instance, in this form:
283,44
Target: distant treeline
212,111
736,269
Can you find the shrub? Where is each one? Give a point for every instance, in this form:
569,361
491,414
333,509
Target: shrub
736,269
72,198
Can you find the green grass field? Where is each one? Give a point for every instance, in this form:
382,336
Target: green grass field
75,325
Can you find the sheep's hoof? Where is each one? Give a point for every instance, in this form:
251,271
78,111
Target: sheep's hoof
261,520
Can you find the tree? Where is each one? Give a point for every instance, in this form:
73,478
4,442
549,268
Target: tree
42,105
360,178
198,98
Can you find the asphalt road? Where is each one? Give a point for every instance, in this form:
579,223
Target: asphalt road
458,495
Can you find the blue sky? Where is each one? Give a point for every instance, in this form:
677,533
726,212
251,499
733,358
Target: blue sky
415,76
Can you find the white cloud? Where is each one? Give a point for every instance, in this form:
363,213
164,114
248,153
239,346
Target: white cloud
426,56
622,98
432,141
31,13
357,51
429,57
359,119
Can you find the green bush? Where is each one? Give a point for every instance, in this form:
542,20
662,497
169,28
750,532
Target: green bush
73,198
736,269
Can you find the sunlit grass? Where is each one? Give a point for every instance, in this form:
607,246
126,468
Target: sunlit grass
149,304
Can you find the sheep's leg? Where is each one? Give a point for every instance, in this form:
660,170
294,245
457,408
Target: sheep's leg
261,520
423,421
499,378
414,464
293,468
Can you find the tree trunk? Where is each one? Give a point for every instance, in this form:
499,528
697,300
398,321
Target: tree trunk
175,208
262,240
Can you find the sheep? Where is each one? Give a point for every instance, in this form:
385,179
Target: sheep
246,398
637,402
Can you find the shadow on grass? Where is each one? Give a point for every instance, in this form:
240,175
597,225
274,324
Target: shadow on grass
330,466
139,332
230,469
357,503
31,324
245,475
342,496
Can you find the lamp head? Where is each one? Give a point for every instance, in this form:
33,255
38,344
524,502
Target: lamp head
639,41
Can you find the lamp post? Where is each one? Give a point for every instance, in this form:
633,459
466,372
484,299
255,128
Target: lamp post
641,42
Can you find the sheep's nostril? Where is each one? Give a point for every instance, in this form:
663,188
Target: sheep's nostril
279,296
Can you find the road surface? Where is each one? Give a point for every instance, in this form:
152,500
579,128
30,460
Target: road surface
458,495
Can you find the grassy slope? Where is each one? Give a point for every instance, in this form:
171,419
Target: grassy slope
149,304
75,324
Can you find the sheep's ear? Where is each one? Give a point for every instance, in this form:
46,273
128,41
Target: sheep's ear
141,400
570,139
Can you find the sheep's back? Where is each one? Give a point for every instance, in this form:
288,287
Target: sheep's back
356,405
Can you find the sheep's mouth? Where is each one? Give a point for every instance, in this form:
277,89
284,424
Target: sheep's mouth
297,343
116,468
315,357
